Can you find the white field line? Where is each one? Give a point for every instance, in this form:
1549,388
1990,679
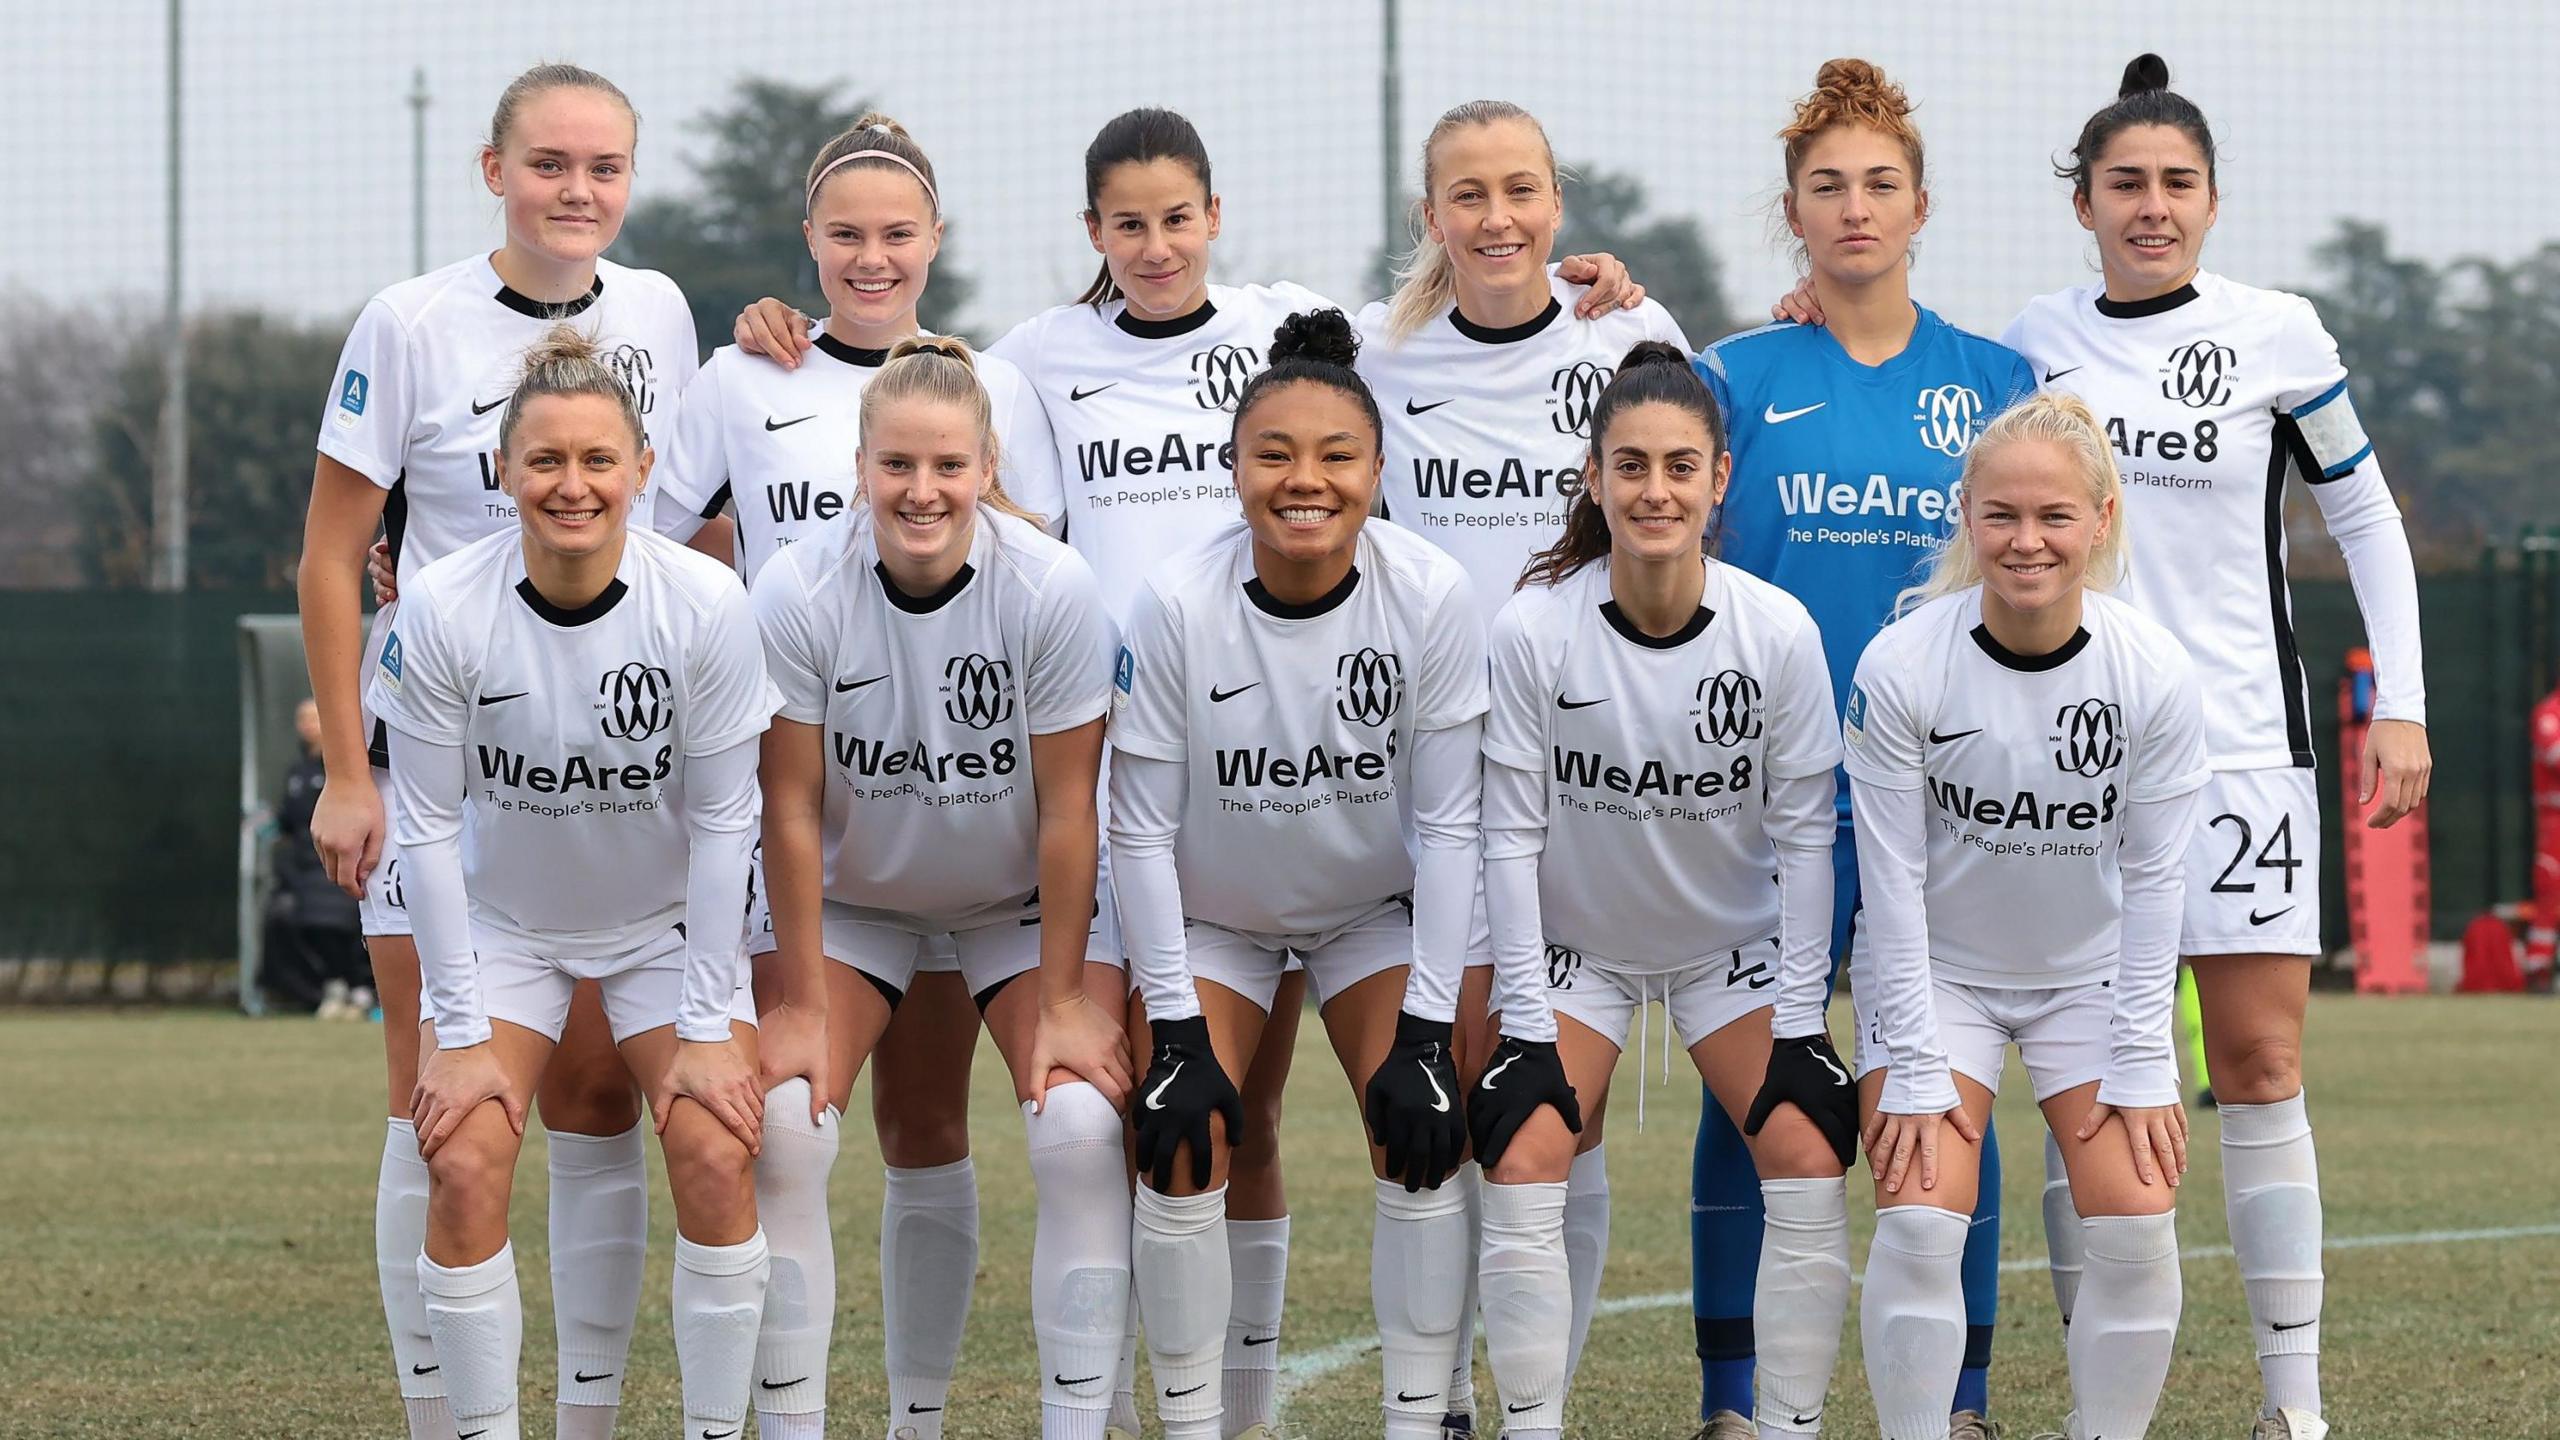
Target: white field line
1300,1369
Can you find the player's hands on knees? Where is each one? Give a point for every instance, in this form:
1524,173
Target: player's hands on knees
451,1085
1807,1072
2157,1133
384,575
775,331
1412,1105
1076,1035
791,1043
716,1075
1798,305
2396,767
1899,1145
1612,288
347,829
1518,1077
1183,1087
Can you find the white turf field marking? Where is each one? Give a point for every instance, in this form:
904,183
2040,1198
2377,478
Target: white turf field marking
1299,1370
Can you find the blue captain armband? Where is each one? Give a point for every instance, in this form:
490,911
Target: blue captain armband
2332,434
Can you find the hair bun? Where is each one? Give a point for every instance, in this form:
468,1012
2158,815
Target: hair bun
563,341
949,347
2146,72
874,120
1325,336
1859,83
1652,352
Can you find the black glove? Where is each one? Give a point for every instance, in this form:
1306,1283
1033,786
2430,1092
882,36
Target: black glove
1806,1072
1521,1076
1183,1088
1412,1105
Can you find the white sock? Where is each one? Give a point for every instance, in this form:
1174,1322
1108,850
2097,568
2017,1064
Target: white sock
1526,1291
2062,1239
1124,1394
1801,1300
1417,1277
1179,1256
719,1302
1913,1317
1258,1257
1079,1260
599,1252
399,1237
2128,1322
1469,1183
2271,1188
928,1265
1586,1244
800,1298
476,1314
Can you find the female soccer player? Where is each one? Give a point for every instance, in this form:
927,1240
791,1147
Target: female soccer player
407,445
1660,745
945,667
1310,684
559,827
1847,441
2215,394
2025,757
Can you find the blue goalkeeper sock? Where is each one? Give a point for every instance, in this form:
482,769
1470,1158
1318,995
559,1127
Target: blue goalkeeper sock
1724,1260
1981,1283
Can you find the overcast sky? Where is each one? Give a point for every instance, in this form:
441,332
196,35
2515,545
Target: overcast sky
297,151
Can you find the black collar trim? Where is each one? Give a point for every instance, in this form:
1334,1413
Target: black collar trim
924,604
2156,305
1508,334
1696,626
1279,609
1166,329
595,609
2003,656
852,354
524,304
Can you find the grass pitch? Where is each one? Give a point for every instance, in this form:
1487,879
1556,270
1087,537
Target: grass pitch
186,1208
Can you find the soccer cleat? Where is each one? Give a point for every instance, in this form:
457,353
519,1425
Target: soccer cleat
2290,1424
1972,1425
1114,1432
1727,1425
1456,1425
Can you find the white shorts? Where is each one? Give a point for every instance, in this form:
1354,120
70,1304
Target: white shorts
1251,965
2253,869
1703,996
2065,1035
642,987
985,956
384,910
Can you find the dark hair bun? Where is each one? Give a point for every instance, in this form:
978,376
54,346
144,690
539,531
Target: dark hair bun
2147,72
1324,336
1652,352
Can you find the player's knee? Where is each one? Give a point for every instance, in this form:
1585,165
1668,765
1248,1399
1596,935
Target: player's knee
1791,1147
2258,1070
588,1099
921,1126
707,1161
1540,1152
1074,1114
475,1166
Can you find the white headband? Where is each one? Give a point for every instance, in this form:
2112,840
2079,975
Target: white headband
900,161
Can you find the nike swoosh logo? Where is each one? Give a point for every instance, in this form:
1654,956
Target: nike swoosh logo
2257,919
915,1409
1404,1399
779,1384
2296,1325
1194,1390
1807,1419
1441,1106
771,424
494,699
1495,1074
843,686
474,1435
1066,1383
1523,1409
1253,1340
1564,704
1155,1100
479,409
1412,409
583,1378
1218,696
1937,739
1772,415
424,1369
1078,394
717,1434
1838,1077
2052,375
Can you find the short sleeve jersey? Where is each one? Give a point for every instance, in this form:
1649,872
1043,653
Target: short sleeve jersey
2029,763
782,444
1486,430
1143,416
928,705
2213,396
1655,755
1296,722
574,726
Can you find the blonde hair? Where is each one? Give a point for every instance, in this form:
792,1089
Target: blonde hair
542,79
1427,282
2067,423
941,367
567,361
897,149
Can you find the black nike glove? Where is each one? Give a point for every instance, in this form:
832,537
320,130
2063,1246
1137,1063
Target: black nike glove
1413,1108
1183,1088
1806,1072
1521,1076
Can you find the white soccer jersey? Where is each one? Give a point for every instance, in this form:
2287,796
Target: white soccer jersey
1655,756
1296,722
1144,415
1487,430
782,443
2029,764
575,727
2212,396
929,705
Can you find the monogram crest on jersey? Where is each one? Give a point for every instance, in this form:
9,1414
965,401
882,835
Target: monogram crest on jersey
1562,966
1368,685
2199,374
1219,373
638,372
637,701
1948,415
977,691
1728,708
2091,739
1573,391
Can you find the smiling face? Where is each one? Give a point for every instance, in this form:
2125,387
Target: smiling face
1659,479
1306,471
924,462
2033,523
564,173
872,231
2150,203
1494,207
1152,222
574,466
1856,204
